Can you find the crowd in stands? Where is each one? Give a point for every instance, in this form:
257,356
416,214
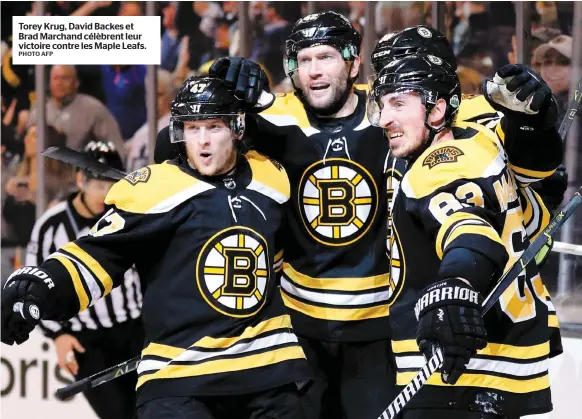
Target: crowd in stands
107,102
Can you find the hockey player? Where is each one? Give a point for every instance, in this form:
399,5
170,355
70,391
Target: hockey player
514,113
201,231
110,331
335,276
523,115
458,210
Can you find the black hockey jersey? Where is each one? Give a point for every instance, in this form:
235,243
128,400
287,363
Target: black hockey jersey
207,254
461,193
56,227
335,274
532,155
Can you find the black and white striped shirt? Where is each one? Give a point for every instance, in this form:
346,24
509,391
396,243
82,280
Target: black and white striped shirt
58,226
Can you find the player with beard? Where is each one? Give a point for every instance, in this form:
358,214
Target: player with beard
335,279
459,213
522,114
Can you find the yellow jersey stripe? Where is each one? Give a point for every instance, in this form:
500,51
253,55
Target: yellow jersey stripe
492,349
164,351
337,284
482,380
338,314
485,231
531,173
553,321
77,283
94,267
226,365
278,256
280,322
445,235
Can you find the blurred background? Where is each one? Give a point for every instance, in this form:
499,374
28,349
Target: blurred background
127,105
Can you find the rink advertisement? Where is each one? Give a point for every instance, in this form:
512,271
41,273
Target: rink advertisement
30,376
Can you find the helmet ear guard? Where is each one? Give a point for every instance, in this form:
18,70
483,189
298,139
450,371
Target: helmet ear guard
237,126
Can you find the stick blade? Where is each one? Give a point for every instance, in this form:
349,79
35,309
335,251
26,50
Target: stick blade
84,162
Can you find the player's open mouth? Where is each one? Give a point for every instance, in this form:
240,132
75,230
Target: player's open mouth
319,86
396,134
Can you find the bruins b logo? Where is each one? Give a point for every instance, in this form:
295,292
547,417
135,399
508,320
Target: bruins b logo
338,201
393,246
233,269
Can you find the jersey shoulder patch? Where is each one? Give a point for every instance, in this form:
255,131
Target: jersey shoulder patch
154,189
269,177
446,154
476,155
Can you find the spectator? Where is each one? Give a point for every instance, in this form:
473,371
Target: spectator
208,11
556,68
269,48
138,145
124,87
17,89
170,39
19,208
130,8
76,114
539,36
190,56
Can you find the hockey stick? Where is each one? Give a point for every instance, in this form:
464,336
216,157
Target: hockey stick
572,111
84,162
436,361
97,379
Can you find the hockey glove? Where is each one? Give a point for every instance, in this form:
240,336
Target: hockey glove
448,316
519,92
24,297
247,78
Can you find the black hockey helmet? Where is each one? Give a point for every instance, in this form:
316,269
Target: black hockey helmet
326,28
419,39
205,98
104,152
429,76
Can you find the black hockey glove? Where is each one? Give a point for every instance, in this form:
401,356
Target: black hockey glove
24,297
519,92
448,316
247,78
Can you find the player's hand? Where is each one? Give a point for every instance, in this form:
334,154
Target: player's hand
520,92
247,79
66,346
23,298
448,314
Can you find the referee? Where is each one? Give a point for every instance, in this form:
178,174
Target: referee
110,331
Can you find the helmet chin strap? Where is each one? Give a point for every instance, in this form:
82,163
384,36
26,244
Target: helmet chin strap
432,133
